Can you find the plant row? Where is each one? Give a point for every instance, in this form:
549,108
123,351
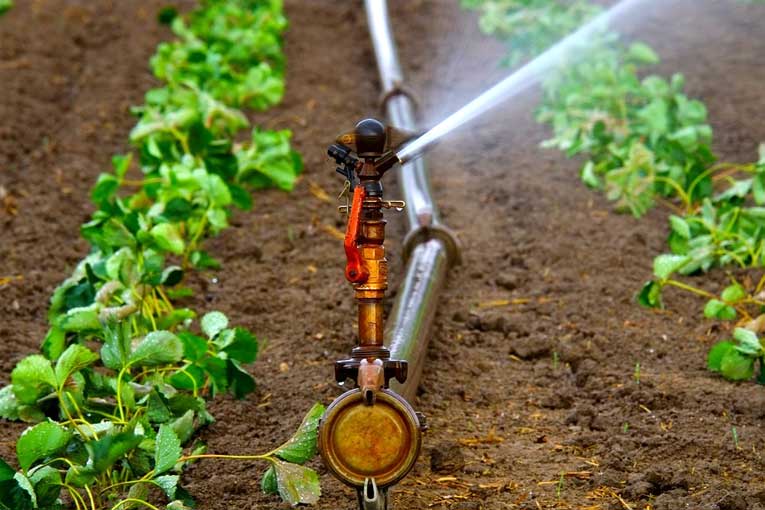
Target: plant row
646,142
121,384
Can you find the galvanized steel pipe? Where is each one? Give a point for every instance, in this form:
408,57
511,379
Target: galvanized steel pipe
429,245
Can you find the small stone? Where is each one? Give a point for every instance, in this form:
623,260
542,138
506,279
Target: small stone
508,281
733,502
446,458
531,347
460,316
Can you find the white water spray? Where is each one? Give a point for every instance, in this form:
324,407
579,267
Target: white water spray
516,83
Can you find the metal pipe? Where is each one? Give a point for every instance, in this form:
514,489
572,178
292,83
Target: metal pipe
431,247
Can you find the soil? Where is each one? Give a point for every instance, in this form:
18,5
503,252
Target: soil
538,404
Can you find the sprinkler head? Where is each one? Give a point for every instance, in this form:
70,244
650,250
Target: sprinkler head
370,138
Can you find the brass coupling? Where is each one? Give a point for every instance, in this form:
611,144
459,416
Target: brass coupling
380,442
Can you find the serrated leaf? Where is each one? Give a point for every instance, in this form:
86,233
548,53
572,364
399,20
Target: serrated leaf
41,441
54,343
32,378
167,450
47,486
75,358
213,323
736,366
109,449
301,447
243,346
748,344
268,483
680,226
733,293
297,484
240,381
168,484
80,319
643,53
184,426
9,406
157,348
716,309
650,295
168,238
665,265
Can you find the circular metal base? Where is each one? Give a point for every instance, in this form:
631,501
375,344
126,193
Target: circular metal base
359,441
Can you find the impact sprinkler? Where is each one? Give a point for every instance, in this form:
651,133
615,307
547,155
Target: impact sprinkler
370,436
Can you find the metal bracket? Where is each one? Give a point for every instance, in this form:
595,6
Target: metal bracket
371,497
425,233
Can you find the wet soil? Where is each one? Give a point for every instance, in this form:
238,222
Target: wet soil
533,404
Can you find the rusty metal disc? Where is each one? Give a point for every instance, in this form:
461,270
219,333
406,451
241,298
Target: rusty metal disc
359,441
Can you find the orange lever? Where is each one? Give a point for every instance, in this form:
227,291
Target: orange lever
355,272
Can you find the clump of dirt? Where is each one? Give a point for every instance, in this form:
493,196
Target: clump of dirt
534,404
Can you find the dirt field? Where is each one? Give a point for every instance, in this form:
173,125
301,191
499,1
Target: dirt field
532,405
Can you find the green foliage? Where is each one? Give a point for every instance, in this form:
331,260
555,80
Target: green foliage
644,138
736,360
5,5
645,141
529,27
122,381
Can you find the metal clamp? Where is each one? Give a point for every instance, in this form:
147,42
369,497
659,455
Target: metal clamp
425,233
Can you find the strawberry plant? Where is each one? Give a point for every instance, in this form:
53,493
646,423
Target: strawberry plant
121,384
645,142
529,27
736,360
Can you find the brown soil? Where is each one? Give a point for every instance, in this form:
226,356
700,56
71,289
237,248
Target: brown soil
531,405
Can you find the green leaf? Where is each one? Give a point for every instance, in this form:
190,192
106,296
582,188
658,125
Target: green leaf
74,359
733,293
650,295
736,366
243,346
54,343
213,323
80,319
716,309
41,441
680,226
202,260
157,348
665,265
32,378
168,238
9,407
268,483
47,486
717,353
297,484
758,188
184,426
167,450
14,496
643,53
241,382
172,275
108,450
80,476
105,188
301,447
589,177
749,344
194,347
168,484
